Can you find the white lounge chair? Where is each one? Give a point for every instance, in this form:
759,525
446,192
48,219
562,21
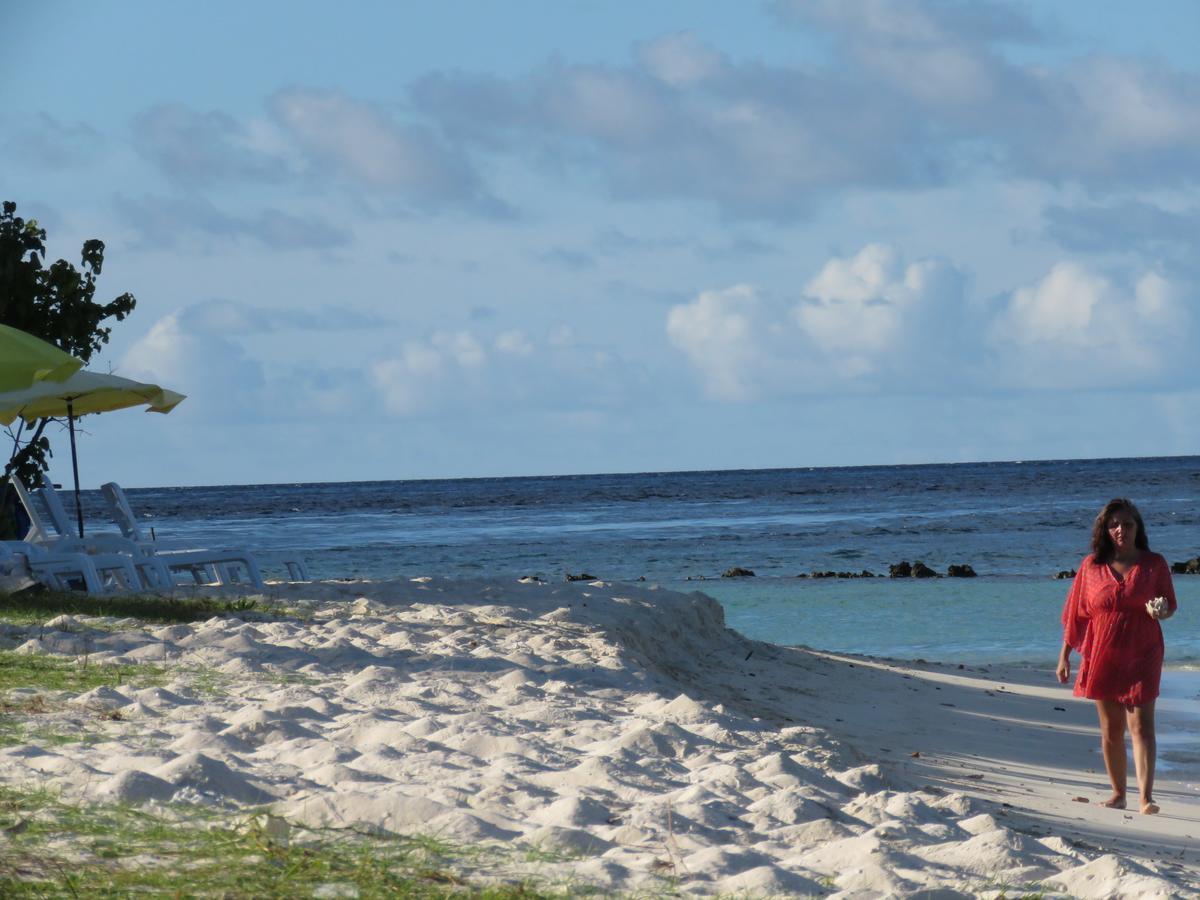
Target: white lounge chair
123,515
53,528
105,573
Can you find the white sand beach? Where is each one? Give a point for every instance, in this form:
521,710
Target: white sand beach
625,726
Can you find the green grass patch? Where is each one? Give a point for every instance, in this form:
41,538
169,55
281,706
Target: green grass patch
19,712
277,675
205,681
1005,890
13,732
33,607
69,673
56,849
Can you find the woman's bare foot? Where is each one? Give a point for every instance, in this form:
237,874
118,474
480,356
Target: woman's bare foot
1117,801
1149,807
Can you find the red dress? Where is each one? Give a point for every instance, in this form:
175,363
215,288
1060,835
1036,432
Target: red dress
1105,619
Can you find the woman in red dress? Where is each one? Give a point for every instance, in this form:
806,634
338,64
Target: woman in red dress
1107,619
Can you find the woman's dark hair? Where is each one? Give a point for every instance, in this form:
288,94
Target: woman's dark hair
1102,545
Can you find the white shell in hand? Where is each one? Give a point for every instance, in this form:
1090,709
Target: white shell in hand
1157,606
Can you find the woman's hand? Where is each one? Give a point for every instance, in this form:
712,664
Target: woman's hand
1158,608
1064,670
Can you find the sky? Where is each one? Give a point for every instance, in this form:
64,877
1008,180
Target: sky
409,240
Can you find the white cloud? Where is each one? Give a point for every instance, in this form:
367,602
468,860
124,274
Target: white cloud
217,352
1080,329
219,379
857,305
514,342
561,335
1134,105
399,384
371,148
204,147
169,221
756,140
874,315
227,357
455,372
612,106
873,323
1059,308
1158,303
867,322
312,138
911,95
232,317
447,369
44,141
717,332
1127,226
940,53
1109,123
680,59
419,360
917,21
463,347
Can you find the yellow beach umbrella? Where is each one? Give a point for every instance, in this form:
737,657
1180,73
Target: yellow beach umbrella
26,360
82,394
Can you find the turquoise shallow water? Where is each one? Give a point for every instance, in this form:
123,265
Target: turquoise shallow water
1178,715
975,620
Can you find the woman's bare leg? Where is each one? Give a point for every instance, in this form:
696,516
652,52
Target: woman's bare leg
1145,749
1112,743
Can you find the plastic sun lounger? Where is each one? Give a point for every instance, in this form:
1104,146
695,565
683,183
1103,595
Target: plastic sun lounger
159,569
51,530
122,514
100,574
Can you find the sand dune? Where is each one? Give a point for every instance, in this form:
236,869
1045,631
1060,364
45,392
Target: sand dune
623,726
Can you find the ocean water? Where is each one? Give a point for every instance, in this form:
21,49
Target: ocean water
1015,523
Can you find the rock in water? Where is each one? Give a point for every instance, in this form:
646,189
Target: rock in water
1191,567
737,572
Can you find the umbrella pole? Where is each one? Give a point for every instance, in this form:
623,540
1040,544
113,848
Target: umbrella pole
75,466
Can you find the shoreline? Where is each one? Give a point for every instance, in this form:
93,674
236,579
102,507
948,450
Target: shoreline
622,725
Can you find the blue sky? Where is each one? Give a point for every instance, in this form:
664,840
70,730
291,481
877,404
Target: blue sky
417,240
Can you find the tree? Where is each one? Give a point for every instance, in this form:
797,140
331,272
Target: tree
56,304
